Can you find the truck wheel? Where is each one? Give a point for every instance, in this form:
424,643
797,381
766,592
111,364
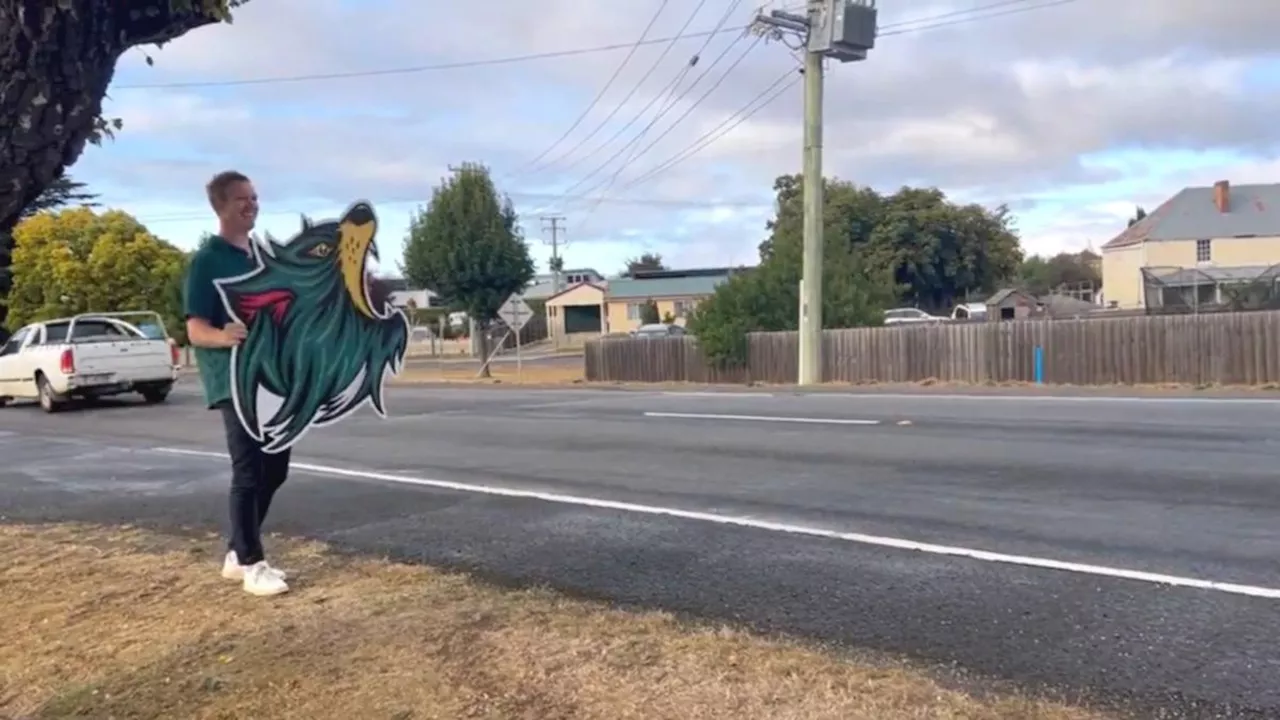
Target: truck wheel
154,396
48,402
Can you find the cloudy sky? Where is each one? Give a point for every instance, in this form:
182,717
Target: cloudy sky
1070,111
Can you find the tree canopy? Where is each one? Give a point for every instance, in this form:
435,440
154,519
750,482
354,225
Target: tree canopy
467,245
77,261
649,314
913,247
647,261
63,191
1064,271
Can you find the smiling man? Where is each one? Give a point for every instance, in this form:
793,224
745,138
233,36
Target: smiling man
255,474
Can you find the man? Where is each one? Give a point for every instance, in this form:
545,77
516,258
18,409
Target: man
255,475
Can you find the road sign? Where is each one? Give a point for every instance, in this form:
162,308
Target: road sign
515,312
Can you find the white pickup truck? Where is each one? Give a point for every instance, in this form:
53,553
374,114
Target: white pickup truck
88,356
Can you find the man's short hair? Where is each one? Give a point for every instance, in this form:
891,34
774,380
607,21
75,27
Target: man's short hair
221,184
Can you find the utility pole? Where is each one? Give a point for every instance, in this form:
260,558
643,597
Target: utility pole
844,30
553,224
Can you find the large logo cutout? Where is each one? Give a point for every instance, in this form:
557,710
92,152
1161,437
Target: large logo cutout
317,348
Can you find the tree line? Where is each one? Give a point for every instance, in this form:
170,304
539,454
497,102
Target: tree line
911,247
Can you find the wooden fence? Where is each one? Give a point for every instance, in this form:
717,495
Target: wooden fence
1217,349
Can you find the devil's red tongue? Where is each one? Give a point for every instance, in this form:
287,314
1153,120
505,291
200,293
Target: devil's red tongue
249,305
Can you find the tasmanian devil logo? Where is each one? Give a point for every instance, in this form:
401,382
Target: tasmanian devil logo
316,347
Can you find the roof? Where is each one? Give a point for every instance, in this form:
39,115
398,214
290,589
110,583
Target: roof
598,286
664,287
1192,215
692,272
1065,306
1005,294
1202,275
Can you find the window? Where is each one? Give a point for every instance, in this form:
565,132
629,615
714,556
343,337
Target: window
633,311
15,342
682,307
1204,252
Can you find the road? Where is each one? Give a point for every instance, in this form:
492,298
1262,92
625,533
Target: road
1111,548
532,360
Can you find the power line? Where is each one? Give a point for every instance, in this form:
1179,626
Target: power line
645,202
904,28
633,156
688,110
618,71
892,29
436,67
717,132
622,103
704,96
693,60
901,28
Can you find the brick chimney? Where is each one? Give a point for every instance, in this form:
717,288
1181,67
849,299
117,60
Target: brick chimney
1222,196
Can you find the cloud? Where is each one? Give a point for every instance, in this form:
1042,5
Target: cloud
1066,111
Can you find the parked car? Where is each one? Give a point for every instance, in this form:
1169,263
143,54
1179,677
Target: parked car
653,330
88,356
903,316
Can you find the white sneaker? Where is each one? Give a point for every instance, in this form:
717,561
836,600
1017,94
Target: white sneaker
261,579
233,570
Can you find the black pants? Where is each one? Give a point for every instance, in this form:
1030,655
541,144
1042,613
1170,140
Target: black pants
255,477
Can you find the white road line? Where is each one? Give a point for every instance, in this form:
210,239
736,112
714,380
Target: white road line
1045,398
762,418
786,528
691,393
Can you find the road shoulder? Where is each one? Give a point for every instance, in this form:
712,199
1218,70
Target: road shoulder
125,622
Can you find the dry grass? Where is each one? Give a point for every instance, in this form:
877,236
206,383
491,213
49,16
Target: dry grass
504,372
124,623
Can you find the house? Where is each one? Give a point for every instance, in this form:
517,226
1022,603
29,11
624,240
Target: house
675,292
543,285
1203,247
1011,304
576,313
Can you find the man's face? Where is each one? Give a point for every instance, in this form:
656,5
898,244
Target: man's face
240,207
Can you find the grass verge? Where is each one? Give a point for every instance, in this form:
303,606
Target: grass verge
126,623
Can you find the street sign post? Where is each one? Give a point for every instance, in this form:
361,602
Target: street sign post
516,313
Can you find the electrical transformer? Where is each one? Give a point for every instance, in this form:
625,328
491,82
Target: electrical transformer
845,30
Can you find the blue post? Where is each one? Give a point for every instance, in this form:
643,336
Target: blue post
1039,365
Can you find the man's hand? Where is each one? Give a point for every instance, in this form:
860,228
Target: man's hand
233,334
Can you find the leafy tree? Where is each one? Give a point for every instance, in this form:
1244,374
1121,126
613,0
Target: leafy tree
467,245
63,191
912,247
52,89
649,313
647,261
1040,276
77,261
940,253
51,100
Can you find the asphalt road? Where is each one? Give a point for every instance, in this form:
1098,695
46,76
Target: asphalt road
530,359
1125,550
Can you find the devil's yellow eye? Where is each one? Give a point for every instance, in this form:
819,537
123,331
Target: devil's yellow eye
321,251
